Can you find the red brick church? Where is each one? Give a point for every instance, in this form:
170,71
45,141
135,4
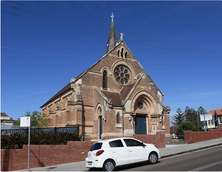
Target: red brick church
115,97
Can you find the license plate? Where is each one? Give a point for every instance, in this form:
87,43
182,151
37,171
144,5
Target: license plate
89,162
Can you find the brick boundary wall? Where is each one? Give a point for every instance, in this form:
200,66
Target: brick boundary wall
48,155
197,136
158,139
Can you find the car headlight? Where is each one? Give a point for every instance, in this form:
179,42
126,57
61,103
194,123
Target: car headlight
156,146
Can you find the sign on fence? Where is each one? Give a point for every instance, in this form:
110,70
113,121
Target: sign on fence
25,122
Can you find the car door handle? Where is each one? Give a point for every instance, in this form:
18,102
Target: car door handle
130,151
114,152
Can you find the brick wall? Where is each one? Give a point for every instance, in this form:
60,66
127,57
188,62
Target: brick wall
193,137
158,139
44,155
48,155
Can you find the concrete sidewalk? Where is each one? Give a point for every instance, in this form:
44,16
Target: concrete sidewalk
170,150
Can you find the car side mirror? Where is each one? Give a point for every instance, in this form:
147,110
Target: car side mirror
142,144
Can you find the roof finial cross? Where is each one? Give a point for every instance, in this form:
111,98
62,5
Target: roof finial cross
112,16
121,36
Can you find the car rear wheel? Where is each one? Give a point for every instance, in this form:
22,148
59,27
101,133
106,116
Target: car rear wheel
153,158
109,165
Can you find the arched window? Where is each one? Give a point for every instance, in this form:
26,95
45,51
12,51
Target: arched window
126,55
105,79
118,118
122,52
99,111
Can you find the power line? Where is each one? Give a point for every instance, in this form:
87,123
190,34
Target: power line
117,29
173,50
60,14
48,53
55,24
49,16
182,69
125,39
125,31
97,59
145,30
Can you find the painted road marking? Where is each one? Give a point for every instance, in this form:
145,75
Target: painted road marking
206,166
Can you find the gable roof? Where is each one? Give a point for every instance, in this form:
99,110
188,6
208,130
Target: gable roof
3,114
111,45
219,112
66,88
118,98
114,97
125,90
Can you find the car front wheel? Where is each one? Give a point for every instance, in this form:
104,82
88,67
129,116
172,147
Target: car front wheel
109,165
153,158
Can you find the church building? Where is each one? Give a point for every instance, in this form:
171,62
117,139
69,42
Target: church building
115,97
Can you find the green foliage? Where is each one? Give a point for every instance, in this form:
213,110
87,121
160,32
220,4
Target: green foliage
13,141
37,120
185,126
16,141
178,118
189,115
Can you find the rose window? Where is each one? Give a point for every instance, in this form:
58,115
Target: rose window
122,75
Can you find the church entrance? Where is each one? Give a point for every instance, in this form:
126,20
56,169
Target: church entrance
100,127
140,121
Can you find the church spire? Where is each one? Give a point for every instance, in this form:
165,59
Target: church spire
112,39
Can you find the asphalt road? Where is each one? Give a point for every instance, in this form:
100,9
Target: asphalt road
209,159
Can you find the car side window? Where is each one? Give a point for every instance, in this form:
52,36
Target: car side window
131,142
96,146
116,143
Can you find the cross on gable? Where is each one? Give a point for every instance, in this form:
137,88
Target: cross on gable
112,16
121,36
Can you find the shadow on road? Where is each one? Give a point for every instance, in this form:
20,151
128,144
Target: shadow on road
126,167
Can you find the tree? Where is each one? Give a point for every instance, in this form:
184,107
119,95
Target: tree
201,110
178,118
37,120
191,115
184,126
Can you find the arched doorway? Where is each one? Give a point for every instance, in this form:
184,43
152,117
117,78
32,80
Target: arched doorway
144,106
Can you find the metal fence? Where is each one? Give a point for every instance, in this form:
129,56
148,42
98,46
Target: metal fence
24,132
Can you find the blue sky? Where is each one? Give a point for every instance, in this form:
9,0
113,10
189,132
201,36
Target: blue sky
45,44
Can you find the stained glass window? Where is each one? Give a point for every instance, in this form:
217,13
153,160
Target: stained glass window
140,105
105,79
122,74
118,118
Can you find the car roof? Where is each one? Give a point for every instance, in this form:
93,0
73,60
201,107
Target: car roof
108,140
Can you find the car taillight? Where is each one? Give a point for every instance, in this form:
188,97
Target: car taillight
99,152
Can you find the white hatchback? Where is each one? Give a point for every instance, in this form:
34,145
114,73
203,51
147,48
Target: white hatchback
108,154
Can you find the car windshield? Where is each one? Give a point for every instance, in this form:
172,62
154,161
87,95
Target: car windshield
96,146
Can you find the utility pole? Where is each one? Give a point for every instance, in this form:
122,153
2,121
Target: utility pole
205,128
198,121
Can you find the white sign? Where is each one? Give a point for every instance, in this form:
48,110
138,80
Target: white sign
208,116
25,122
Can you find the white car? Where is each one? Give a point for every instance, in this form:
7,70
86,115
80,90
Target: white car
108,154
